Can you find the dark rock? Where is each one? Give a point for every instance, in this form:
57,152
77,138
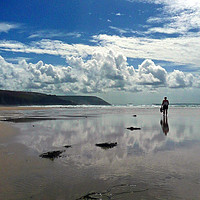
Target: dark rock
89,196
107,145
52,154
68,146
133,128
134,115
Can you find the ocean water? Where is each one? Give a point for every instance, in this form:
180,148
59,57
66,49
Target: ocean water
158,161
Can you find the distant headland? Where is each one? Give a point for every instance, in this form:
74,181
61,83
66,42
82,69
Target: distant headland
22,98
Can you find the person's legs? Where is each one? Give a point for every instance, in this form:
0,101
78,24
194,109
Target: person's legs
165,108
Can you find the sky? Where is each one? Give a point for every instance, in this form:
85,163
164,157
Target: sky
124,51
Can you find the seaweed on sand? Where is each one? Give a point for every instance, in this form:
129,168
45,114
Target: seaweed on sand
133,128
106,145
52,154
114,192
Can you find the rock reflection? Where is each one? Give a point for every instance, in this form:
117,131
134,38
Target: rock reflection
107,145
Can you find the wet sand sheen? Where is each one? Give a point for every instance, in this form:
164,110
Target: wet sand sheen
5,108
145,164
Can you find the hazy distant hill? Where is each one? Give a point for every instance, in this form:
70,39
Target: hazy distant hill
85,100
20,98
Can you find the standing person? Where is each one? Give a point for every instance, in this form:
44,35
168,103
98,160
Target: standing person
165,104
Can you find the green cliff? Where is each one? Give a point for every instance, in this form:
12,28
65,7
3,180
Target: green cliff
21,98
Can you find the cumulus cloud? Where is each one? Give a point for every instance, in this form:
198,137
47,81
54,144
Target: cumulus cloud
11,76
151,74
177,79
103,72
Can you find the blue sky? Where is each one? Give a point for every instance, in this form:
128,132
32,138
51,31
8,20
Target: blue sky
126,51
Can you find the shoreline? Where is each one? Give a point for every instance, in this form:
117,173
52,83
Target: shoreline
5,108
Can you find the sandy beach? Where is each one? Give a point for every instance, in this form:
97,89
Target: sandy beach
158,159
6,108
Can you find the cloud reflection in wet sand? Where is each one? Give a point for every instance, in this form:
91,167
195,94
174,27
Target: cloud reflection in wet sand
147,158
84,133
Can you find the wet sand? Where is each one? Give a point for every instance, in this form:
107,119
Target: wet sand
144,164
5,108
6,131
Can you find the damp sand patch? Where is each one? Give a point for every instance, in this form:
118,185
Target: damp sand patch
34,119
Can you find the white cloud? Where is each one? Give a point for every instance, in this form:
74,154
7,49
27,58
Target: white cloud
51,47
151,74
182,50
121,31
179,16
119,14
17,59
103,72
178,79
11,45
5,27
11,77
174,5
166,30
53,34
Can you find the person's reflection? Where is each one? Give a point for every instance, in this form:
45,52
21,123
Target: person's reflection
164,125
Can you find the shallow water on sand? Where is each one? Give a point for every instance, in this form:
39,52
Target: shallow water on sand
159,161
